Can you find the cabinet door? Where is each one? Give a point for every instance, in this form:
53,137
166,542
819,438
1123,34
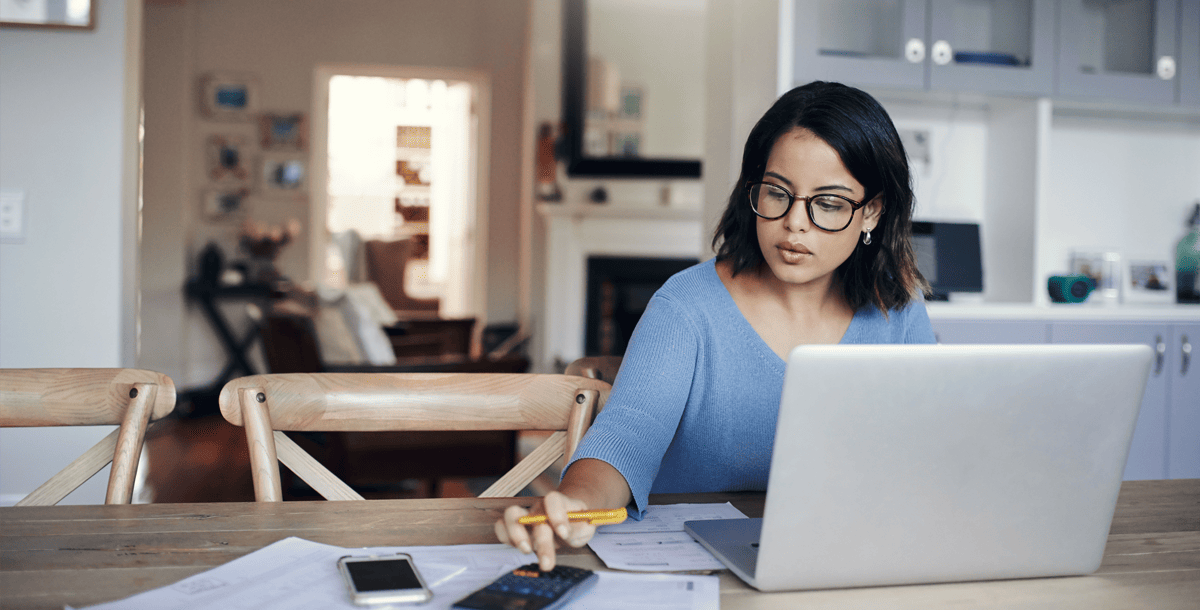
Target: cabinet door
1189,52
992,46
1124,50
990,332
860,42
1183,418
1148,454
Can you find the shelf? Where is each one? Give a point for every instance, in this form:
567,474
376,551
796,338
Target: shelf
617,211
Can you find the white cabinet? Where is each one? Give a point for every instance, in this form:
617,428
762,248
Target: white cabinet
991,332
1183,410
1148,454
986,46
1126,50
992,46
1142,51
860,42
1166,443
1189,53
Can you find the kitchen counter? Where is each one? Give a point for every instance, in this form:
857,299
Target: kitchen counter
1141,312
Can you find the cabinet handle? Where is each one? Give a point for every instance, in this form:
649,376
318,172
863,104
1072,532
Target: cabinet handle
942,53
1166,67
1186,350
1160,354
914,50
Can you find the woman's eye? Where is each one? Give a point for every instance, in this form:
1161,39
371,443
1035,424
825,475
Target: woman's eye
828,204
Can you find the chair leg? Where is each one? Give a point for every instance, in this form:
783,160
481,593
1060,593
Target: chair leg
264,464
129,443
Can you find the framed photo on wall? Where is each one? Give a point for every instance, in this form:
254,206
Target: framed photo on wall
283,131
224,204
229,97
228,159
55,14
283,174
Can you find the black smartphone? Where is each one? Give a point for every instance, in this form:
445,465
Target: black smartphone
386,579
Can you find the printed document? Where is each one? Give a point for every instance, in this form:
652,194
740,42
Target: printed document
658,543
297,574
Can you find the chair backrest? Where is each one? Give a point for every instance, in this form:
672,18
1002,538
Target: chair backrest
603,368
266,405
130,398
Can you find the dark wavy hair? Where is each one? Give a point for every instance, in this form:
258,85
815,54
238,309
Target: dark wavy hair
853,123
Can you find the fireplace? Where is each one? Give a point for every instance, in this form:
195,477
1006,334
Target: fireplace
618,290
576,233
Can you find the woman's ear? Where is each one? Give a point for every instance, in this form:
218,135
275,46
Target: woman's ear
872,212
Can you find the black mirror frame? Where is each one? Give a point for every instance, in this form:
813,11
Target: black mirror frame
574,85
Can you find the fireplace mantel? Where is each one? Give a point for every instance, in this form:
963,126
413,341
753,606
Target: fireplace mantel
575,231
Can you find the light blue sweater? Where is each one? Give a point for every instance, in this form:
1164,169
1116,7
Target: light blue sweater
694,406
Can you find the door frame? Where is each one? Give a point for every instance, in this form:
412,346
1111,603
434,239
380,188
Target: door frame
480,163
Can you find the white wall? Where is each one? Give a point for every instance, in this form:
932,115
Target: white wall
66,293
1118,185
281,42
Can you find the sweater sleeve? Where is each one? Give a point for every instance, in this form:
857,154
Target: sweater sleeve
643,411
917,327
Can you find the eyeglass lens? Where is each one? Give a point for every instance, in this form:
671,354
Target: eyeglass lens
828,212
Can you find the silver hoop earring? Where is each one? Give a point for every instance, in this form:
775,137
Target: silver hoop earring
867,237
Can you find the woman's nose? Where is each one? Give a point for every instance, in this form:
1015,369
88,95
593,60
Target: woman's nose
796,220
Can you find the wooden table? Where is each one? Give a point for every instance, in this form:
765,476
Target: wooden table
80,555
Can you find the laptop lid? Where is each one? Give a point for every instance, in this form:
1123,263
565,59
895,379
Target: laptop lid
916,464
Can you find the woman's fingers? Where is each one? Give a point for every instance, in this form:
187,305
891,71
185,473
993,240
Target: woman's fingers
542,538
557,505
581,533
544,545
511,532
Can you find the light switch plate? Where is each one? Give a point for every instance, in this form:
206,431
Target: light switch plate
12,216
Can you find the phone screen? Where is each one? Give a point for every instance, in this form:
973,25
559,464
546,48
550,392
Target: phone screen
383,575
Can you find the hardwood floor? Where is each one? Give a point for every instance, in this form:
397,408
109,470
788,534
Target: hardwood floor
204,459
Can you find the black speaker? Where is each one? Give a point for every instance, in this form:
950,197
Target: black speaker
1070,288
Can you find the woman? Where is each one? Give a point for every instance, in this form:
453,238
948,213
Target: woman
813,247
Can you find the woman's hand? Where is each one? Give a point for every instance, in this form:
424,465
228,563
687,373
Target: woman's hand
543,538
587,484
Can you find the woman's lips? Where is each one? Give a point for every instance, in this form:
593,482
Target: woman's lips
793,253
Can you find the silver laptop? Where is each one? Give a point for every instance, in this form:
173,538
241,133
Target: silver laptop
919,464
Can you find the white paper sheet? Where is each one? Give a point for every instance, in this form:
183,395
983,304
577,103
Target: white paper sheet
297,574
658,543
621,591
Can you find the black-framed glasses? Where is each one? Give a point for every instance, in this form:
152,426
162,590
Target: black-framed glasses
826,211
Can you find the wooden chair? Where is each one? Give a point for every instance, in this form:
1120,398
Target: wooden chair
603,368
266,405
387,264
130,398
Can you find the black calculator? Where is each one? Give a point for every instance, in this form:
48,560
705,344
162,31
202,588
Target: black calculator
529,588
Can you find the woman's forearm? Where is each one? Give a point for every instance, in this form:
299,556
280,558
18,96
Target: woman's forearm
596,483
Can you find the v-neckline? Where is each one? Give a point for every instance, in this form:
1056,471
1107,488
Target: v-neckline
748,329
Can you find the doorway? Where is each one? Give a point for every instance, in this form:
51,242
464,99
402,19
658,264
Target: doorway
396,159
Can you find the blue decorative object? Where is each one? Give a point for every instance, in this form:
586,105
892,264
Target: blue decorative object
985,57
232,97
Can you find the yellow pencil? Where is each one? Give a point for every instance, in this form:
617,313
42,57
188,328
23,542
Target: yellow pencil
595,517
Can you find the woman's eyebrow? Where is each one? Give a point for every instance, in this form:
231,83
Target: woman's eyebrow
831,187
779,177
834,187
